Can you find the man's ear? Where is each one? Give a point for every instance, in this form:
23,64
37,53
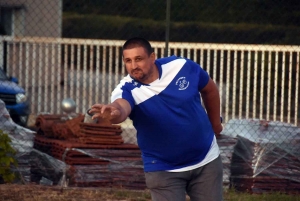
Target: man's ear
153,56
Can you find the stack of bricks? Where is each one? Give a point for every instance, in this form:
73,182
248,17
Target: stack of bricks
88,149
47,124
89,133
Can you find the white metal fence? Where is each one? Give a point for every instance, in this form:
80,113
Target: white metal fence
255,81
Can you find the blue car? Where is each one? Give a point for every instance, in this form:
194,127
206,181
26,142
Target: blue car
14,98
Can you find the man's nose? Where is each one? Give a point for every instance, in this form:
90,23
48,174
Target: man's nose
134,65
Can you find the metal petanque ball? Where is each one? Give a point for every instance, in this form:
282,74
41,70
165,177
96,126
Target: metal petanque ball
68,105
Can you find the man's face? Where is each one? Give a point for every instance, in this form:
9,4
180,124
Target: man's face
138,64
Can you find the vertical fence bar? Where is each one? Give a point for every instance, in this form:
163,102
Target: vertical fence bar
27,67
72,72
195,55
290,88
123,70
97,94
161,52
202,58
110,73
214,68
58,79
21,62
255,83
181,52
234,101
14,64
103,72
34,78
78,77
64,72
268,105
8,64
297,89
215,65
189,53
39,72
282,102
241,85
156,51
208,61
275,86
2,43
176,51
46,75
117,70
222,80
227,109
248,84
84,79
52,78
261,109
91,78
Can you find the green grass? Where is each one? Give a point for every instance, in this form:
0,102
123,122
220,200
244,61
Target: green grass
231,195
13,192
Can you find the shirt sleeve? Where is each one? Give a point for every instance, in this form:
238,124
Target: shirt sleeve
123,91
203,79
203,76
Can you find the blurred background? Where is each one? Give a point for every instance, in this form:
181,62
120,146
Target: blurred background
55,50
243,22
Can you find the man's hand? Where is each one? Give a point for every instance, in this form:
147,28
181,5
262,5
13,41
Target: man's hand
217,129
104,111
115,112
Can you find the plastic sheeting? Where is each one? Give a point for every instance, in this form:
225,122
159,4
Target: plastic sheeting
226,145
266,156
32,164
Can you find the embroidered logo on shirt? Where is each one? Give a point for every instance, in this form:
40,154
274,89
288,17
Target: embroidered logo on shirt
135,83
182,83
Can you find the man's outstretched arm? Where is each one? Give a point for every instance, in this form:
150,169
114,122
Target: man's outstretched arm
116,111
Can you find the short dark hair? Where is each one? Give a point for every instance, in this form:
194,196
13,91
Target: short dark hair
138,42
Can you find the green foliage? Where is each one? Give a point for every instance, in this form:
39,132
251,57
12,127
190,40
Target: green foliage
217,21
120,28
109,27
276,12
7,159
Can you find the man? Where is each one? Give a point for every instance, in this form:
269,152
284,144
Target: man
174,132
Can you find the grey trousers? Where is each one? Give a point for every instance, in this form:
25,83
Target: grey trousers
201,184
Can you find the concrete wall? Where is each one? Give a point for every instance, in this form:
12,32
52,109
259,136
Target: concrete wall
41,18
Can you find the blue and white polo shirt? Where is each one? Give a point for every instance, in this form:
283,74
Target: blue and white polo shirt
173,129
